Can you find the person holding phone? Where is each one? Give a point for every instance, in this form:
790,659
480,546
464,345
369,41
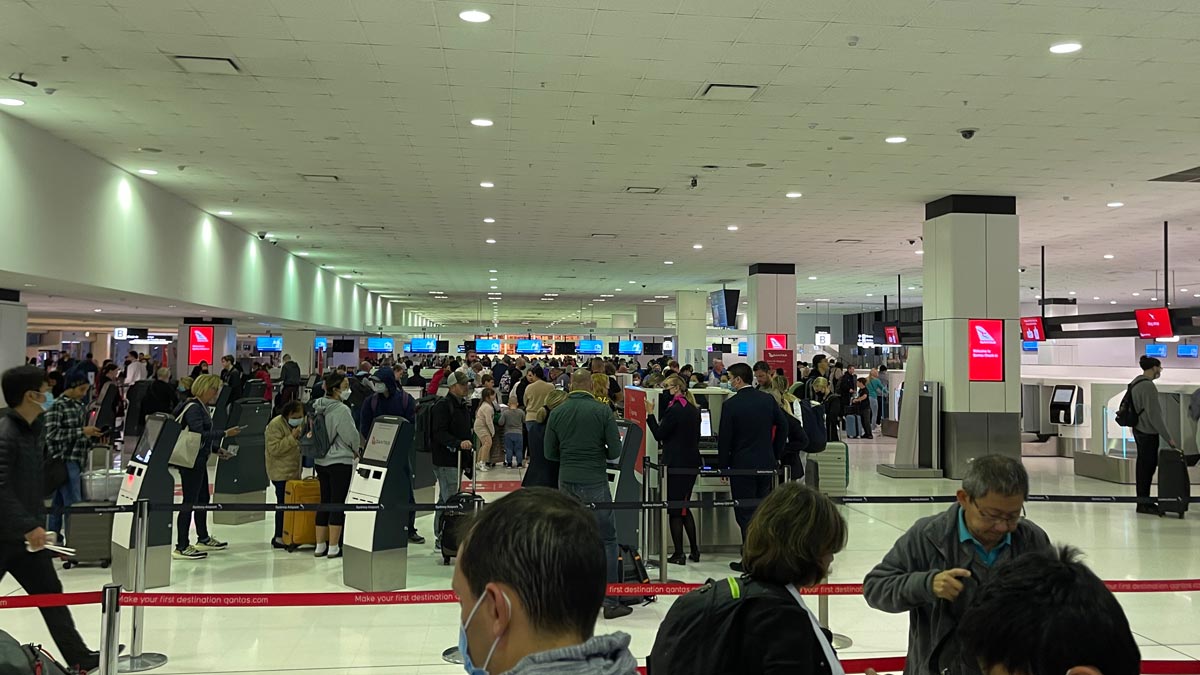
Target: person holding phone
283,455
194,416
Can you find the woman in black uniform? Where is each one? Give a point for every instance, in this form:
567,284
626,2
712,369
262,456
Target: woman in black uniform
679,441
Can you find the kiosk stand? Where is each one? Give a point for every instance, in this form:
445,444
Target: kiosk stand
924,458
242,478
147,478
376,542
1066,412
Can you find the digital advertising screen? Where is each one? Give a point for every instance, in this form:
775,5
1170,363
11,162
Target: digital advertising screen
776,341
1154,323
891,334
985,345
1188,351
1032,329
424,346
321,344
381,345
590,347
529,346
487,346
630,347
724,305
269,343
200,345
1157,351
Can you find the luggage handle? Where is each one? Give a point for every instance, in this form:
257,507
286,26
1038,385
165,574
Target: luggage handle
461,471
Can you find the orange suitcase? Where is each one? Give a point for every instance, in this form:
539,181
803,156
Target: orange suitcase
300,527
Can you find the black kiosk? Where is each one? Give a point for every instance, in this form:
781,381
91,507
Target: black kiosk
242,478
376,542
147,477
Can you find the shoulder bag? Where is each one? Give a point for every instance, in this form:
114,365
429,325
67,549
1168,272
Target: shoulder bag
187,446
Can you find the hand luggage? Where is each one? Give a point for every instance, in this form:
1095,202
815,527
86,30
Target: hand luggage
454,521
300,527
102,485
1174,484
812,474
19,659
90,534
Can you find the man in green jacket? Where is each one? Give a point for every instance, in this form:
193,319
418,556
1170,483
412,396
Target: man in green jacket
582,436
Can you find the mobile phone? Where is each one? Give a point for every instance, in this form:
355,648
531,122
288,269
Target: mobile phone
244,426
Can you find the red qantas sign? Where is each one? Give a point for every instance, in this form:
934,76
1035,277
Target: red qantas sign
776,341
1032,329
200,345
892,333
1154,323
985,344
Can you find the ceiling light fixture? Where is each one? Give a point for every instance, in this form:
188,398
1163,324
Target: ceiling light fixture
870,295
732,228
912,288
668,262
302,254
1112,302
97,310
490,241
481,122
1071,293
494,279
12,102
1095,297
224,213
812,278
697,246
1109,256
919,252
1065,48
793,195
489,220
606,295
894,140
494,287
633,282
1137,294
822,300
347,276
493,271
148,172
1115,205
475,16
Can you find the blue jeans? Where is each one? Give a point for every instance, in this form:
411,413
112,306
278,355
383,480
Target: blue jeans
853,425
67,494
598,493
514,447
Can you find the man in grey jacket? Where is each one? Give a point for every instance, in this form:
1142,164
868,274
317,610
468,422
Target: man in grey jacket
934,569
1151,425
530,578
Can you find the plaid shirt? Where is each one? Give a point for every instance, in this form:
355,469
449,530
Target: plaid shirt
63,424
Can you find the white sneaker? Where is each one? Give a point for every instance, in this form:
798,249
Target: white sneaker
213,544
189,553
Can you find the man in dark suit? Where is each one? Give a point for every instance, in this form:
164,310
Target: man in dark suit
752,435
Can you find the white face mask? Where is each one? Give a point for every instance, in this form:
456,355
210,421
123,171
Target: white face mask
379,387
344,394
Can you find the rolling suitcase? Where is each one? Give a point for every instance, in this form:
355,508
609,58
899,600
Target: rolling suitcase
1174,484
453,522
90,534
300,527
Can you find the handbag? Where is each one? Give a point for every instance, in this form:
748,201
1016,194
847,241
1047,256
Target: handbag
187,446
54,474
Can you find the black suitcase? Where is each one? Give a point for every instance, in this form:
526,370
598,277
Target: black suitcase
90,534
812,474
1174,484
453,522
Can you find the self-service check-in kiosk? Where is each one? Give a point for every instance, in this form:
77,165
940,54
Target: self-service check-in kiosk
925,458
624,483
242,478
102,411
147,477
1066,410
376,542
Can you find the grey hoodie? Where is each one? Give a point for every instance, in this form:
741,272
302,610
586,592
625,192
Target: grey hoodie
343,435
601,655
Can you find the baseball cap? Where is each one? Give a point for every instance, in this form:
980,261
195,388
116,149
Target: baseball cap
457,377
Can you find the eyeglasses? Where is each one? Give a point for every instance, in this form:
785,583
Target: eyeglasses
993,518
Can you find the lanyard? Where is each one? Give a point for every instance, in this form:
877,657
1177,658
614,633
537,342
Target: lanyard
835,666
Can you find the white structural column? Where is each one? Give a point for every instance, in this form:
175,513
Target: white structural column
14,324
771,292
301,345
971,247
691,326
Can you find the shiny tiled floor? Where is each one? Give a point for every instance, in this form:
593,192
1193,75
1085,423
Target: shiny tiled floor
406,640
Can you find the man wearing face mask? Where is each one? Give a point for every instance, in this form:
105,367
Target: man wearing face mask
1151,426
22,511
389,399
67,438
530,578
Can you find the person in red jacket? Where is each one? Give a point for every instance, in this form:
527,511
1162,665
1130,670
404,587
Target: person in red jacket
440,375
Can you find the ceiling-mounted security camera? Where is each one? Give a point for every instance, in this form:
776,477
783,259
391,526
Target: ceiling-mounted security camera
694,184
968,133
262,236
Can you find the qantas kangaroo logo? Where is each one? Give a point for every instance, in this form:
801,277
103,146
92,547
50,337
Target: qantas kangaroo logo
200,337
985,338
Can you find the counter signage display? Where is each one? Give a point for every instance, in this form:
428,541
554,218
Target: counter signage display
487,346
592,347
630,347
1032,329
1188,351
891,334
529,346
200,345
743,348
269,343
408,348
1029,346
985,355
781,359
381,345
424,346
321,344
1154,323
1157,351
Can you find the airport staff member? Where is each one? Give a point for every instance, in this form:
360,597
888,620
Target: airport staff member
1150,426
934,570
289,378
752,436
450,429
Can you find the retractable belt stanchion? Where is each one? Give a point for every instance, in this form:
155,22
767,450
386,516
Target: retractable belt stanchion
110,628
136,661
663,524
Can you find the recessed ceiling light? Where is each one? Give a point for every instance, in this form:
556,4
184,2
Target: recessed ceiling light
148,172
732,228
597,299
1109,256
870,295
793,195
30,285
435,292
1137,294
822,300
1115,205
1037,297
1183,290
812,278
912,288
302,254
490,241
12,102
633,282
1153,299
475,16
481,122
1112,302
697,246
493,271
618,289
171,306
1095,297
1071,293
494,279
347,276
487,184
489,220
895,139
224,213
1065,48
494,287
668,262
97,310
606,295
662,297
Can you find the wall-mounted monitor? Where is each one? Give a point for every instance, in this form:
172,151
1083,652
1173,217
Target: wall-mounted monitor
721,348
1157,351
487,346
614,348
590,347
381,345
1029,345
200,345
985,350
344,345
724,305
1154,323
424,346
529,346
630,347
321,344
743,348
1032,329
408,348
652,348
268,343
891,335
443,347
1188,351
564,348
468,346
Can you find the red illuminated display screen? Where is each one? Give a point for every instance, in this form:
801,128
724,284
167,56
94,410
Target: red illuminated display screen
1154,323
892,334
776,341
985,358
200,345
1032,329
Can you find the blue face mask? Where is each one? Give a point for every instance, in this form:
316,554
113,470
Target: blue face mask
295,421
464,648
49,400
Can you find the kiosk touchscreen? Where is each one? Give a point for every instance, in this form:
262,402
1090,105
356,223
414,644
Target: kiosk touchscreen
147,477
242,477
1066,405
376,542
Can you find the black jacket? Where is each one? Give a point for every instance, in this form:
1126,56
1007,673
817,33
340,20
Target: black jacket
162,397
21,506
197,419
753,431
678,435
542,472
289,374
450,425
797,440
233,379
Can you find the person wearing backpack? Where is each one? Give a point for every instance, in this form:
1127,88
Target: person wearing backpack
758,623
336,466
389,399
1141,399
448,436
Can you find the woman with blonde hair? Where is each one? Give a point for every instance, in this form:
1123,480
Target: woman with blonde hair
797,442
542,472
678,436
600,389
193,416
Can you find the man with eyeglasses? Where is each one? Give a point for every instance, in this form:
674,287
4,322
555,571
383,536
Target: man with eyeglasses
935,568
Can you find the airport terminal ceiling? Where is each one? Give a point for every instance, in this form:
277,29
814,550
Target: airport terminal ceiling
344,131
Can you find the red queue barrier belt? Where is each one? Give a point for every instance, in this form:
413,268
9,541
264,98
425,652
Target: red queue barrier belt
895,664
49,600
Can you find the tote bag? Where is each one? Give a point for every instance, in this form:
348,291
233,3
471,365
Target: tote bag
187,446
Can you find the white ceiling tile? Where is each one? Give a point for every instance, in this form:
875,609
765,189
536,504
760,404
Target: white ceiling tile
248,25
396,11
631,24
407,34
318,30
707,28
717,8
558,20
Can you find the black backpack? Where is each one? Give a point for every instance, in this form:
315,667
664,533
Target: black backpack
814,427
422,427
315,444
1127,415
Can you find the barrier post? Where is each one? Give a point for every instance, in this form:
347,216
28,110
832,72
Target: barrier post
839,641
136,661
110,628
663,524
